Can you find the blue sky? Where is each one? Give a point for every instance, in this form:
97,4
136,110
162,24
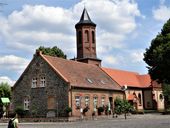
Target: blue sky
125,29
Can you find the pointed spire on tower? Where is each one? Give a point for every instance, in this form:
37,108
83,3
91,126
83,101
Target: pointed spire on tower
85,19
85,16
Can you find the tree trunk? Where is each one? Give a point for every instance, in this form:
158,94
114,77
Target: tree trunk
125,115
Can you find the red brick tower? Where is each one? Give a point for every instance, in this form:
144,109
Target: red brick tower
86,40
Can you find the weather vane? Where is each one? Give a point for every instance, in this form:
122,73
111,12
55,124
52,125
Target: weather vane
84,3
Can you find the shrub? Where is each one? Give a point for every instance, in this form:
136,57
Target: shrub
106,109
20,111
34,112
68,110
122,106
100,110
1,112
85,110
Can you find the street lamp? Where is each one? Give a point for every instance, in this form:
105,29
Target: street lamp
124,88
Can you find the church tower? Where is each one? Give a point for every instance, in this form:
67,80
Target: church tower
86,40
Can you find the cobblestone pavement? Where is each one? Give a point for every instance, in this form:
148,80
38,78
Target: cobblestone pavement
133,121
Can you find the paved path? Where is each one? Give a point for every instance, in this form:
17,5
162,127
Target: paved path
133,121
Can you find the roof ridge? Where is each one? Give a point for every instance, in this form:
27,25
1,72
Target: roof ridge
54,67
137,80
72,61
122,70
75,72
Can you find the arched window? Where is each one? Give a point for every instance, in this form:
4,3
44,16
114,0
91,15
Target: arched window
103,101
93,37
77,100
140,98
86,36
95,102
161,97
87,101
80,37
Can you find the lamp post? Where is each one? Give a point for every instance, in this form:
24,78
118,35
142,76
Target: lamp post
124,88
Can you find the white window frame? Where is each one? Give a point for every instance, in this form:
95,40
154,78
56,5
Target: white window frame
26,103
87,100
34,82
77,99
42,81
95,101
103,100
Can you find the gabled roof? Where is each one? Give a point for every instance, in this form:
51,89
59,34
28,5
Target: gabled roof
85,19
81,74
145,80
131,79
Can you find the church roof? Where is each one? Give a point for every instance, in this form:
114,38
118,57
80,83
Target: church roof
131,79
85,19
81,74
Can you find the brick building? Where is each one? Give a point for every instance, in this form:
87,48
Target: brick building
140,90
50,84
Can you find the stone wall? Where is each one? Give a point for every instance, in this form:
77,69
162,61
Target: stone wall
55,87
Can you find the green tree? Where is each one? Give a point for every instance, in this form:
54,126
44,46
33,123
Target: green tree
166,93
157,56
126,107
118,106
122,106
5,90
54,51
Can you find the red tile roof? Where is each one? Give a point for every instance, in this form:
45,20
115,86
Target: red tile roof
81,74
131,79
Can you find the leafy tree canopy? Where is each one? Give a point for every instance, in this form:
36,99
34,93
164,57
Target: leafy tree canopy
5,90
54,51
166,93
157,56
122,106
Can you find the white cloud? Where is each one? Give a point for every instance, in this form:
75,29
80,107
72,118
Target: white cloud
162,2
131,58
13,63
111,60
162,13
115,20
37,25
6,79
136,56
111,40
